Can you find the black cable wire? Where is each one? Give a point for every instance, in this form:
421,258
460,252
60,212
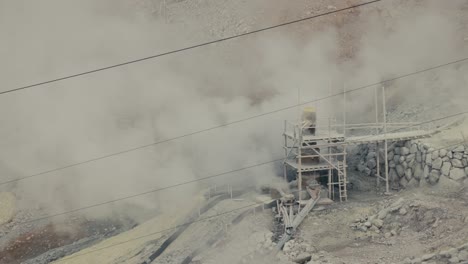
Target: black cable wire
186,48
199,220
162,231
184,183
150,191
231,123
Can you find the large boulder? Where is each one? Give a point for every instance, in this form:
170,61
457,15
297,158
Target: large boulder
404,151
458,155
457,163
410,158
442,153
437,164
397,151
446,168
457,174
303,258
408,174
371,163
371,155
460,148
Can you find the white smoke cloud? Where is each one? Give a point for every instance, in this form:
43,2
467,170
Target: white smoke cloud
90,116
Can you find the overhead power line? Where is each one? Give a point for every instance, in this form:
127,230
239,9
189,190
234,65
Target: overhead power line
199,179
206,218
186,48
151,191
232,122
164,230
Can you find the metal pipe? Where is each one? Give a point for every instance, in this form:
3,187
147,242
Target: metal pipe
387,187
377,132
344,109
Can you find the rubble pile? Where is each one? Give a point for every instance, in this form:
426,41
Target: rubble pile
401,216
298,251
414,163
448,256
380,224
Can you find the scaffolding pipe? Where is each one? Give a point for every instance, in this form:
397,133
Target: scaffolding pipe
377,132
299,169
344,110
298,220
387,187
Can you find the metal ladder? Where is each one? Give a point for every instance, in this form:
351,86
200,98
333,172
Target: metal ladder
342,185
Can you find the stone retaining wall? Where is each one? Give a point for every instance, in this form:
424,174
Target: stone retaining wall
412,163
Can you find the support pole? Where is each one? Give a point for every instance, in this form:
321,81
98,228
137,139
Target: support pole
298,220
299,167
285,149
345,173
344,110
331,159
387,187
378,164
377,132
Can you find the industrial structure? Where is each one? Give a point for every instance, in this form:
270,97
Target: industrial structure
316,148
314,151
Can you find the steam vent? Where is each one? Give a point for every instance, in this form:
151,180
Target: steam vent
234,132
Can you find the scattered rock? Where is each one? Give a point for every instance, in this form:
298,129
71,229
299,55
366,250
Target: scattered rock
303,258
428,257
382,214
403,211
377,222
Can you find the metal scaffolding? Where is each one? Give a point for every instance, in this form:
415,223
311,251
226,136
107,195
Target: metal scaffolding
316,148
315,155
